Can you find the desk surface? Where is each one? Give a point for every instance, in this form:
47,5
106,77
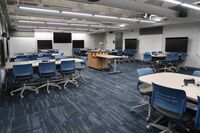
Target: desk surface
109,56
174,80
35,63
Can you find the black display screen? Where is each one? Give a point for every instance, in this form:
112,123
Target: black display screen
131,44
62,37
44,44
179,44
78,43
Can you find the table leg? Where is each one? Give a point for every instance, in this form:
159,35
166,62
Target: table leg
115,68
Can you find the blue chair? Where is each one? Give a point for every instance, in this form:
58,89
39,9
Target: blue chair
32,57
119,53
168,63
147,58
21,58
130,53
196,73
22,74
46,71
175,62
67,70
144,90
182,59
82,68
171,103
197,117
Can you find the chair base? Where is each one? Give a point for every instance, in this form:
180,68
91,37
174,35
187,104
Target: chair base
48,84
22,89
164,129
143,103
81,75
68,80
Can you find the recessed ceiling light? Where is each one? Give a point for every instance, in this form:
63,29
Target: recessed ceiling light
27,21
39,9
104,16
77,13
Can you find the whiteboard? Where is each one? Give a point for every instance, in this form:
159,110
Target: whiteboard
21,45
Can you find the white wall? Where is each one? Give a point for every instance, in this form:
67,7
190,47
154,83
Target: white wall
157,42
110,37
186,30
29,44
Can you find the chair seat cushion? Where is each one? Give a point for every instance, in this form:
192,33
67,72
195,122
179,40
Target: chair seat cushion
188,115
146,90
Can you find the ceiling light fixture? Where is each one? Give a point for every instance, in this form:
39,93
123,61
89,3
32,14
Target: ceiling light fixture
173,1
31,27
26,21
104,16
39,9
129,19
190,6
77,13
54,23
84,25
98,26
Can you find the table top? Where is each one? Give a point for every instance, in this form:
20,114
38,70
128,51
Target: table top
109,56
35,63
174,80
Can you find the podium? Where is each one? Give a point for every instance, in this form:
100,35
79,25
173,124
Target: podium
95,62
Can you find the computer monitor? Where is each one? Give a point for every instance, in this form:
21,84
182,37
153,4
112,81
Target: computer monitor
177,45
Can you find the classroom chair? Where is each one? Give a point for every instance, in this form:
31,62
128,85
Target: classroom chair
48,70
171,103
197,117
22,74
67,71
167,63
196,73
182,59
144,90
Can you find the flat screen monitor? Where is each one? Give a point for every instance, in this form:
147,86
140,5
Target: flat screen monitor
177,45
44,44
62,37
78,43
131,44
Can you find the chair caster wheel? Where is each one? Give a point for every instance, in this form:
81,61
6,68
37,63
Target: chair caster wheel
48,92
131,110
147,119
148,127
60,88
22,96
65,87
37,92
76,85
11,94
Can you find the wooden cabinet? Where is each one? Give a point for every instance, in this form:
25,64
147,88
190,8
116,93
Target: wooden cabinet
95,62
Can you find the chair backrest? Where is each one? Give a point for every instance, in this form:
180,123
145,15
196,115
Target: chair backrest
169,57
47,68
21,58
33,57
84,60
183,57
119,52
170,102
147,57
68,66
196,73
22,71
175,57
197,117
143,72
